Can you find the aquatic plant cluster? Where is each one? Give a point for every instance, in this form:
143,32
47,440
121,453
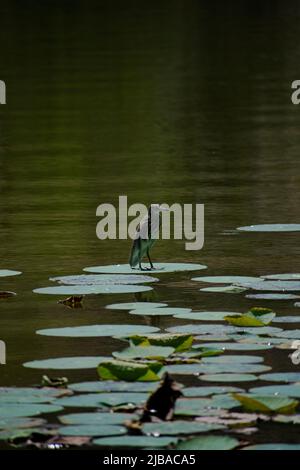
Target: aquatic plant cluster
228,397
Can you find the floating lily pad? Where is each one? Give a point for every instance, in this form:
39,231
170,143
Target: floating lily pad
131,371
98,330
226,367
192,406
225,289
92,430
209,443
202,329
265,403
135,305
93,400
27,395
292,334
272,286
292,390
271,228
254,317
274,446
287,319
174,428
225,279
97,418
262,330
103,279
135,441
238,346
232,359
283,277
94,289
207,391
281,377
178,341
288,419
159,311
77,362
113,386
205,316
19,410
228,377
21,423
159,268
13,434
144,352
273,296
9,272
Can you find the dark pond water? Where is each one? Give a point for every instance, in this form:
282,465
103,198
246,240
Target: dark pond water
166,102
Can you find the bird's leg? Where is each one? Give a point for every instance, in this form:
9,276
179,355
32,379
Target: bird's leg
151,264
141,267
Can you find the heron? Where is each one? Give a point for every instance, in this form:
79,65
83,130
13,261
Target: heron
145,237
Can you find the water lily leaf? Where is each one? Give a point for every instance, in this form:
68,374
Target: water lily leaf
254,317
238,346
192,406
209,443
266,404
130,371
281,377
205,316
233,359
14,396
97,418
79,362
180,341
160,311
9,272
287,319
14,434
292,334
290,390
183,369
198,352
288,419
226,289
92,430
195,329
135,441
228,377
93,400
174,428
273,296
98,330
113,386
225,279
276,286
142,352
159,268
15,410
271,228
202,391
283,277
273,446
103,279
93,289
135,305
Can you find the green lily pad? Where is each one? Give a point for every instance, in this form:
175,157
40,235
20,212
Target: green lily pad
131,371
281,377
225,289
266,404
93,289
178,341
205,316
92,430
175,428
225,279
21,423
287,319
290,390
113,386
238,346
15,410
271,228
228,377
209,443
283,277
207,391
225,367
97,418
192,406
292,334
98,330
194,329
144,352
103,279
273,296
160,311
9,272
232,359
135,305
14,434
272,286
79,362
135,441
159,268
274,446
93,400
254,317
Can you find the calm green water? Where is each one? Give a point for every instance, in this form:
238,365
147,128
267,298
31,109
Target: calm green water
166,102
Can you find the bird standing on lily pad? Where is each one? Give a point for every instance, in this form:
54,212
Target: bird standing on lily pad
146,234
